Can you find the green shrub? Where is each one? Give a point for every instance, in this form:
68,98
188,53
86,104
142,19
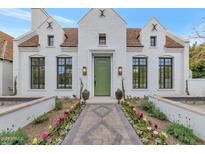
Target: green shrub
41,118
58,104
18,137
182,133
152,110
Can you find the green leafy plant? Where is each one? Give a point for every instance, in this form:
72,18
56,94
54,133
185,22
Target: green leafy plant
118,95
182,133
18,137
85,95
152,110
41,118
58,104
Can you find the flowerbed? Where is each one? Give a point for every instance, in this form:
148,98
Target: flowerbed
60,127
146,130
155,125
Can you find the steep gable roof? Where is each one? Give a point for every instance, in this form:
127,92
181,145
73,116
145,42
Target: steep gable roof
6,46
31,42
133,35
170,43
71,37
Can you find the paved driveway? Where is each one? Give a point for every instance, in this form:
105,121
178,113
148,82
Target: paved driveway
101,124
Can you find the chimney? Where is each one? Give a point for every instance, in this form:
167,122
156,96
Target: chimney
38,16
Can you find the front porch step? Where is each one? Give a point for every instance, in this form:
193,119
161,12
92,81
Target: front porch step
100,100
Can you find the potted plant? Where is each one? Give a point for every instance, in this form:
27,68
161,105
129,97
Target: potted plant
85,95
118,95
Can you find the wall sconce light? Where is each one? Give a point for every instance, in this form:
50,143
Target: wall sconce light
120,70
84,70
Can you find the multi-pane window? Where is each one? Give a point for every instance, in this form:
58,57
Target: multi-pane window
153,41
64,72
165,73
37,72
50,40
139,72
102,39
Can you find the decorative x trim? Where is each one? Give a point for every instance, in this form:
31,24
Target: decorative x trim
50,25
102,12
154,27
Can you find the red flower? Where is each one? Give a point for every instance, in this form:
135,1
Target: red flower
155,126
57,121
44,135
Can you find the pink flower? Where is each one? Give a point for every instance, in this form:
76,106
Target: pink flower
44,135
57,121
63,116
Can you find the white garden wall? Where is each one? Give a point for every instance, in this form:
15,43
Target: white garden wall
20,115
181,113
196,87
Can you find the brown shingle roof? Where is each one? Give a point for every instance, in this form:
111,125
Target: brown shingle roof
71,39
6,46
32,42
170,43
133,37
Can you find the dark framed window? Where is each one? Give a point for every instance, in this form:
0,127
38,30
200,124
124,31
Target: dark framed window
37,72
102,39
64,72
50,40
139,72
153,41
165,73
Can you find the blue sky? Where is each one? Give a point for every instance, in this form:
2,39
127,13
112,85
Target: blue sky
180,21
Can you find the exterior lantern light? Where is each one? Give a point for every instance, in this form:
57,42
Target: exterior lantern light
84,70
120,70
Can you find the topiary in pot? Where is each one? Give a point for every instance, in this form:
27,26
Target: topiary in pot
118,95
85,95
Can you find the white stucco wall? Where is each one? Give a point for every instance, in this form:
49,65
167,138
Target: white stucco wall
196,87
153,54
25,115
90,26
6,77
153,73
22,62
181,113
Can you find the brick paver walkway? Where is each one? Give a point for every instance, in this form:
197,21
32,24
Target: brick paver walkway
102,124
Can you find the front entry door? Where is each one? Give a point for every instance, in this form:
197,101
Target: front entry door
102,76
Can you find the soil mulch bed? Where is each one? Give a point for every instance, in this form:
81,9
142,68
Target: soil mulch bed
162,124
35,130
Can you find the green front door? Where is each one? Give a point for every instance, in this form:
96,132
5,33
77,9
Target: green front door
102,76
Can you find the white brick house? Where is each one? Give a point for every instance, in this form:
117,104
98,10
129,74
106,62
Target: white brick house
49,59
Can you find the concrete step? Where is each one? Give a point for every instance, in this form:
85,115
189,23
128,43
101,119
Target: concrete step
100,100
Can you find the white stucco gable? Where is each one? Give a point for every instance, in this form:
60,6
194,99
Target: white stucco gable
108,12
153,28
